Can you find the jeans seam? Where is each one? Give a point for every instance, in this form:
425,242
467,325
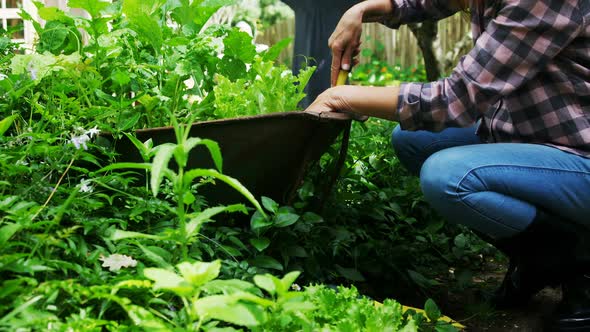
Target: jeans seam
429,145
473,208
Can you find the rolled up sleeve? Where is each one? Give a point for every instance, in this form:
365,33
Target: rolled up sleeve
414,11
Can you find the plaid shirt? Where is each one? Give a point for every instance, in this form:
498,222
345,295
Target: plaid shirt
527,77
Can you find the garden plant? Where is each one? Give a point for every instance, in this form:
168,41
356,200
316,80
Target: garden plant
91,244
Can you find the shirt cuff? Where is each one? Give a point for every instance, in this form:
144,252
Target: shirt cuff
409,106
394,21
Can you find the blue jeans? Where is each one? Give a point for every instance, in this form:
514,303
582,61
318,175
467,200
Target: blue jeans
495,188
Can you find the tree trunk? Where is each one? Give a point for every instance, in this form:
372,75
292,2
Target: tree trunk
426,33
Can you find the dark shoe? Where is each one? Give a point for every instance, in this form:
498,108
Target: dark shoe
536,260
520,284
573,312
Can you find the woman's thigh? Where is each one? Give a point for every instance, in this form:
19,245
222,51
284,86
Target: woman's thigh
503,184
414,147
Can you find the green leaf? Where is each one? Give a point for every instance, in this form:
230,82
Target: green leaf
285,219
144,318
239,45
432,311
7,231
168,280
146,26
259,221
267,263
93,7
199,273
273,53
192,227
260,243
143,148
6,123
350,273
199,172
266,282
121,235
289,279
128,120
22,307
121,78
229,287
227,308
119,166
156,257
52,13
164,153
212,146
205,9
54,36
269,204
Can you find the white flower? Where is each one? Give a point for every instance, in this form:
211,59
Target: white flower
85,186
92,131
286,73
296,287
32,71
80,141
117,261
3,77
261,48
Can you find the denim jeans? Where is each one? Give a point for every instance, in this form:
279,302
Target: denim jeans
495,188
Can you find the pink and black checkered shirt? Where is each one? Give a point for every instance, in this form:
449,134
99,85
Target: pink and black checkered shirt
527,77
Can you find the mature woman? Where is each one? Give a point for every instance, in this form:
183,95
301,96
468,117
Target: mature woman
525,87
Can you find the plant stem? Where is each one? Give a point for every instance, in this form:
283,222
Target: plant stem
55,189
180,191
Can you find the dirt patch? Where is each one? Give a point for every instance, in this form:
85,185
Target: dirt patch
472,310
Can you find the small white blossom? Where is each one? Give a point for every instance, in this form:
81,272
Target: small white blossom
85,186
80,141
92,132
32,71
286,73
261,48
117,261
3,77
296,287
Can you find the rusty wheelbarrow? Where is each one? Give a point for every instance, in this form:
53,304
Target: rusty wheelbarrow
269,154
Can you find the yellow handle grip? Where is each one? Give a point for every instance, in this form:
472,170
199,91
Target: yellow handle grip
342,77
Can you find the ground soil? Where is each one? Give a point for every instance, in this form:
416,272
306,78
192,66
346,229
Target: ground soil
470,308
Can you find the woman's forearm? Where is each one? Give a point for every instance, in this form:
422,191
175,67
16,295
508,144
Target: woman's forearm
378,102
374,10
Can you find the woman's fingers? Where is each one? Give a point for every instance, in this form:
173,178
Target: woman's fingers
344,41
347,58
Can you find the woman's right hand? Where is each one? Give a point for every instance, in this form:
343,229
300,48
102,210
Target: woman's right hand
345,41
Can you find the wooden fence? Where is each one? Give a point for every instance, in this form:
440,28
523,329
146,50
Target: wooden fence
400,45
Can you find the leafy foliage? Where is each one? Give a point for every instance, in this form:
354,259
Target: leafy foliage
377,72
86,244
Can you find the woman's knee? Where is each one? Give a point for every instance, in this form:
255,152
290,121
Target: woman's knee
404,145
435,179
442,175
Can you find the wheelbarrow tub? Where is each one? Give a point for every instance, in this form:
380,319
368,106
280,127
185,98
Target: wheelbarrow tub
269,154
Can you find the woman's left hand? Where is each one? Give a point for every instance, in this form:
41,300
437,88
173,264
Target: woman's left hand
332,100
362,101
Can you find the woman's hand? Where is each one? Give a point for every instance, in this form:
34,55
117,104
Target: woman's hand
362,101
331,100
345,41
